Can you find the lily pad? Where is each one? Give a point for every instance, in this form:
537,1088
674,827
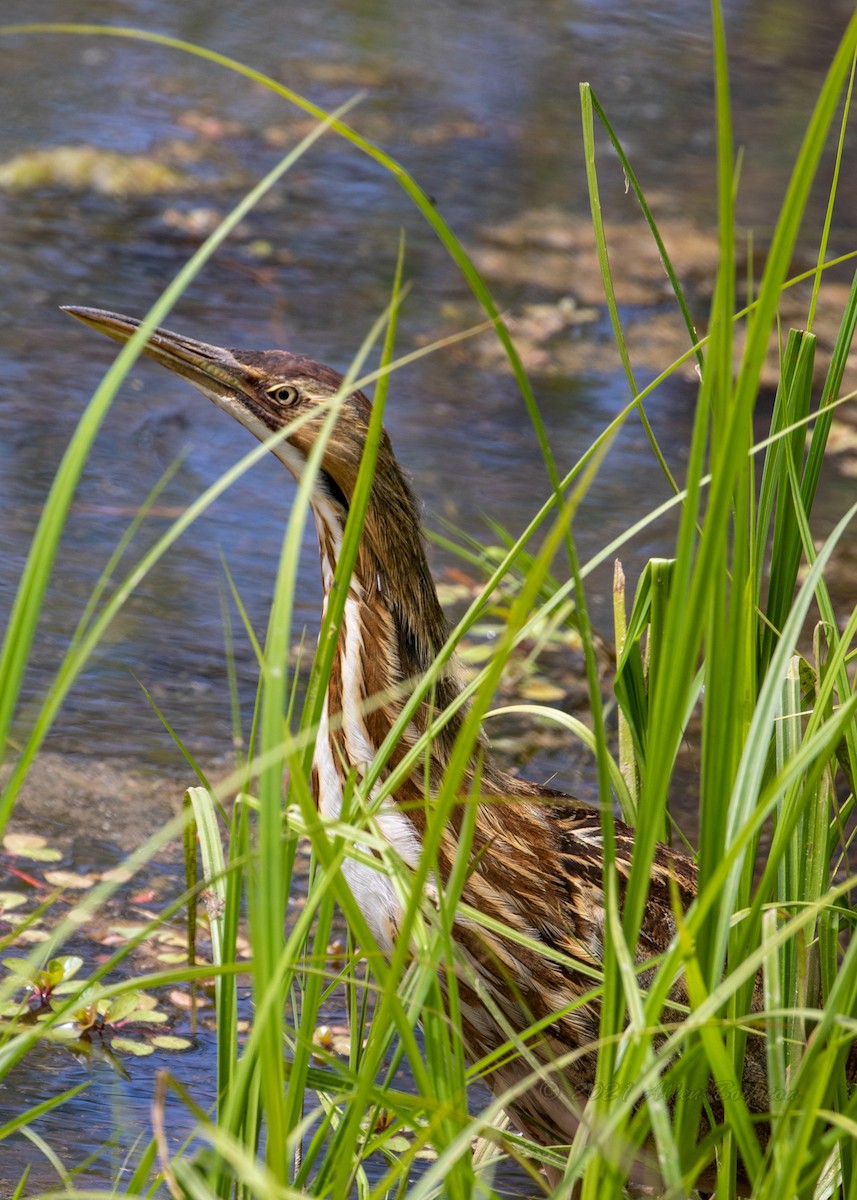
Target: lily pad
30,845
123,1007
169,1041
68,879
118,874
129,930
168,938
541,689
155,1017
130,1046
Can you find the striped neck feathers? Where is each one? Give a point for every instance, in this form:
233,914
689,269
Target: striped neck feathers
393,626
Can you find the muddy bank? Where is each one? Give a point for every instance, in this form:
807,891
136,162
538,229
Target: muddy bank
97,809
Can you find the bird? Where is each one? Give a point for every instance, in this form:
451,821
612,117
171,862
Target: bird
536,861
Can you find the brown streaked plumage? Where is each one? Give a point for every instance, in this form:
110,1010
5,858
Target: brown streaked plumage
537,855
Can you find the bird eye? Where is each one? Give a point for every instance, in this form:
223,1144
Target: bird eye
283,393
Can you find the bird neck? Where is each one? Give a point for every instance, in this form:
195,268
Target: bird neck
392,630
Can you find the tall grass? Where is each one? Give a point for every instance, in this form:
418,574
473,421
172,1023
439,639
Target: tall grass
722,630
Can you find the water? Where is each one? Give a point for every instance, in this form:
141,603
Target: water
509,89
481,104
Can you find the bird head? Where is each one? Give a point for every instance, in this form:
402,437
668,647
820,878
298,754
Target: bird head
267,390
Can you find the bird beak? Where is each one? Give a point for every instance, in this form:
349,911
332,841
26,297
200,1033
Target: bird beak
213,370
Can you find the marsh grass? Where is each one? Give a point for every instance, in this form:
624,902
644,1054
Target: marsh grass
723,630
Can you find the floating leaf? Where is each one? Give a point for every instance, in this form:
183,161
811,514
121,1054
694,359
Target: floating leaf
69,879
541,689
128,929
11,900
173,956
30,845
89,995
122,1007
185,1000
149,1018
169,1041
14,842
118,874
167,938
140,1049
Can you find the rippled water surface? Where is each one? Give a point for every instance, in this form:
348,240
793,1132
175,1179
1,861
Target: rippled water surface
480,102
481,106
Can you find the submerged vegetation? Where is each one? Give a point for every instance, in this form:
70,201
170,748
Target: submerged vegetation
737,632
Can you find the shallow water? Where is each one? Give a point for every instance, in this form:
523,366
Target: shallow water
482,107
488,123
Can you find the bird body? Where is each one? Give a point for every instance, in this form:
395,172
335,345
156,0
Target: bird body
536,861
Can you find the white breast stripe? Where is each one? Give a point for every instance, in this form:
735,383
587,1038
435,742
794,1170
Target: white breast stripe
357,745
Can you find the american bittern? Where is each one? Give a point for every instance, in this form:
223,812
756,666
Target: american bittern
536,856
